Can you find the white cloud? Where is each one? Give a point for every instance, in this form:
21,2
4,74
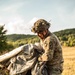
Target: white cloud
18,26
14,25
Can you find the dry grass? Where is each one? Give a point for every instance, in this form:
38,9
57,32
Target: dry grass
69,60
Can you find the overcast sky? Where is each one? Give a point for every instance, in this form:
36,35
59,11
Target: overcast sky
19,15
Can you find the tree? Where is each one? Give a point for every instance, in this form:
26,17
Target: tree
2,37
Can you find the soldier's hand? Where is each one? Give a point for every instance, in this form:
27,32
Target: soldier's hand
39,59
43,58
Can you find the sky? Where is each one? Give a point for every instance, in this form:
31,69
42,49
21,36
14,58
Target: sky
20,15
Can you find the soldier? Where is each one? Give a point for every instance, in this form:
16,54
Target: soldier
50,44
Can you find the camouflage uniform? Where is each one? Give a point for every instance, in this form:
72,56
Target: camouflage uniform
52,49
52,54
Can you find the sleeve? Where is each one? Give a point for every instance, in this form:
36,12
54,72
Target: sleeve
49,51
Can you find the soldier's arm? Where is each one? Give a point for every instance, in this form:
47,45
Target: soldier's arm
49,51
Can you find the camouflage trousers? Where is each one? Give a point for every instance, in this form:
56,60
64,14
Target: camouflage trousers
55,73
55,70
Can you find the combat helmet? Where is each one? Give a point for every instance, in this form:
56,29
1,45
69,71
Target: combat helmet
40,25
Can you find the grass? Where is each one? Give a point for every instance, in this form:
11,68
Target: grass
69,61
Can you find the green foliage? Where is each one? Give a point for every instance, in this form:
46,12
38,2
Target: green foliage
20,39
2,38
15,37
65,32
66,37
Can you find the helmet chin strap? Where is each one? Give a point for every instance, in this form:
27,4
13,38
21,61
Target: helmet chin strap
44,34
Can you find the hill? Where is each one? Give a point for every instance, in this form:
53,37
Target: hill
66,37
65,32
15,37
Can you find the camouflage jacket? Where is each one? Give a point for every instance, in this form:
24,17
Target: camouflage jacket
52,50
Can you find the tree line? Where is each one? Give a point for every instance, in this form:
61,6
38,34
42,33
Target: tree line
66,37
